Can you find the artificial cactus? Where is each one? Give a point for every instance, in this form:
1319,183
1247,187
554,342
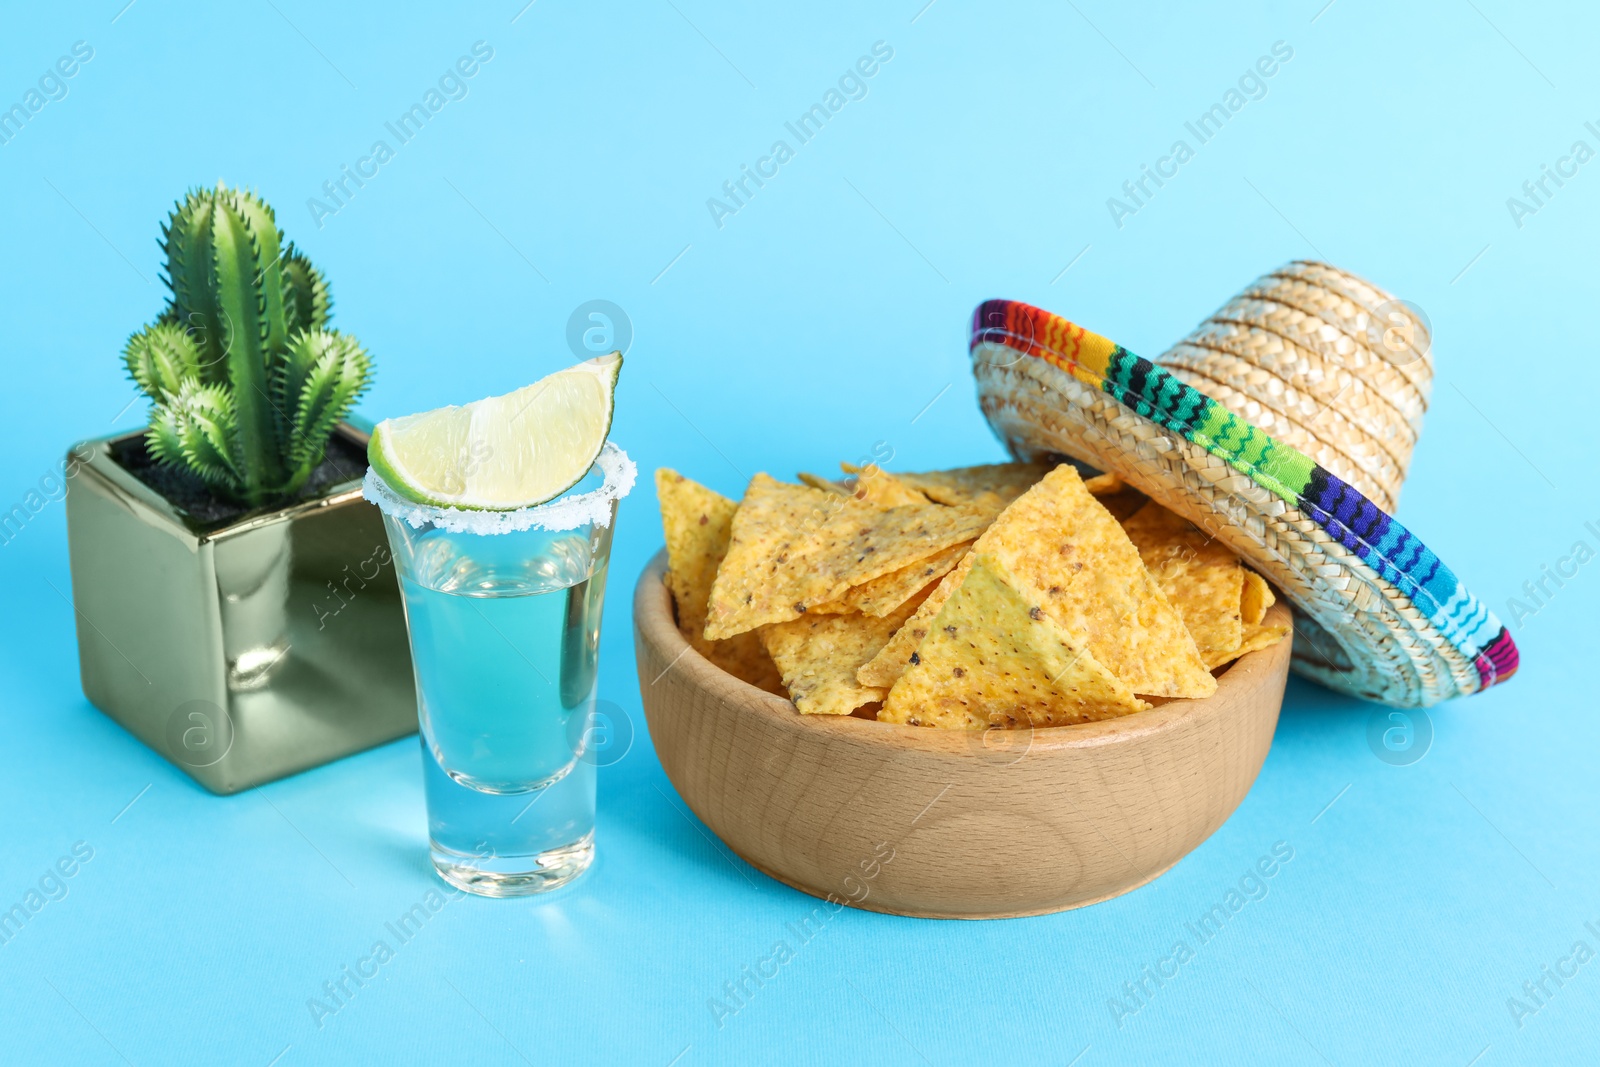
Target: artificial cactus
246,381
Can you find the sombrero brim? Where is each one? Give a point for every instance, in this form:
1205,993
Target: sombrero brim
1378,614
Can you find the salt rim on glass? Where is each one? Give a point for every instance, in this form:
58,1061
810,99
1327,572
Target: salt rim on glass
562,513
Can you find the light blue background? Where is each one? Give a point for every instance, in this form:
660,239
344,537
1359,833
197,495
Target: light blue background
822,318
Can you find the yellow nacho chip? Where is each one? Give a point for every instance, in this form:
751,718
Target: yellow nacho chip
1117,609
793,547
697,522
887,592
1255,639
895,657
1115,495
818,656
878,486
1104,484
1256,598
743,656
991,486
993,657
1201,577
817,481
1058,538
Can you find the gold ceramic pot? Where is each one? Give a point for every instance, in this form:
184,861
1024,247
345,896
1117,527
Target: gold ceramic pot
243,649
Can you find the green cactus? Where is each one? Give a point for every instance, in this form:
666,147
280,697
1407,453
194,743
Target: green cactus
246,381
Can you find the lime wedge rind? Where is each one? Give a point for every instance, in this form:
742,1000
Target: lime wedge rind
595,507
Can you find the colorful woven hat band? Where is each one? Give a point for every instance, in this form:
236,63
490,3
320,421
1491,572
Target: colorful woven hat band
1392,552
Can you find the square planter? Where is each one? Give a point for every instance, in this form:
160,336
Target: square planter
244,649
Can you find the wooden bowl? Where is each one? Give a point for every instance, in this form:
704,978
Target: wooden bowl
948,824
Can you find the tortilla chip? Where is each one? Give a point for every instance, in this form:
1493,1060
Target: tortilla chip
817,481
697,522
818,656
743,656
1115,495
793,547
1147,647
994,658
1255,639
895,657
1104,484
884,594
1059,539
1200,576
991,486
1256,599
877,486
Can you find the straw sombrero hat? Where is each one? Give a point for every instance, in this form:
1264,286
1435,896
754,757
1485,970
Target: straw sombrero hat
1282,426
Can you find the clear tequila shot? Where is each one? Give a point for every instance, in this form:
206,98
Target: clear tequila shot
503,610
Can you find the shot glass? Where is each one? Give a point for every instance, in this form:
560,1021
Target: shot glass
503,611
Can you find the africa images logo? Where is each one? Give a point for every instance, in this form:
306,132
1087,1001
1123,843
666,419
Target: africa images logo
852,85
451,85
1252,85
52,85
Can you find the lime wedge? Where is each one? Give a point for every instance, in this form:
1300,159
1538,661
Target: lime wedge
505,452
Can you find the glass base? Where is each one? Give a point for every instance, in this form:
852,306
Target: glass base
513,876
